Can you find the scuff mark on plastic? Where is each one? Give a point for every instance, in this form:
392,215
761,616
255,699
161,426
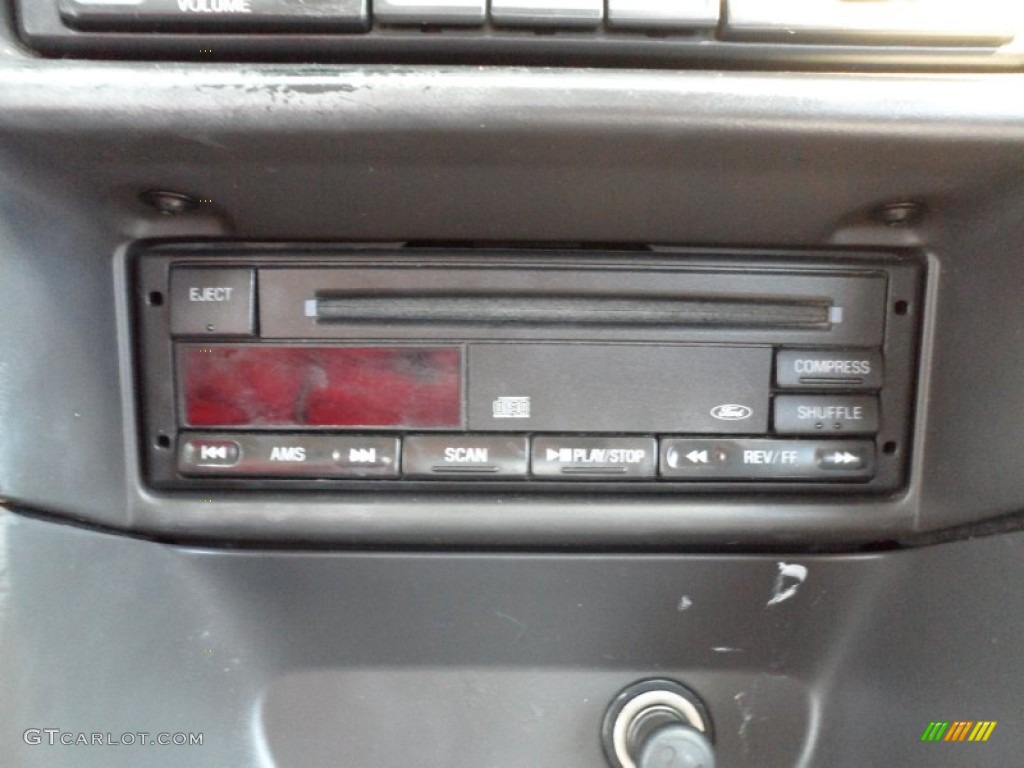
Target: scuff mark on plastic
520,625
684,603
787,582
726,649
746,715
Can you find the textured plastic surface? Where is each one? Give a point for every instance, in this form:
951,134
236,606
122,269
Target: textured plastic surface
292,660
602,388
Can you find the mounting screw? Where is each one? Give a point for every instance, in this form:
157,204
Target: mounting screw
901,214
169,203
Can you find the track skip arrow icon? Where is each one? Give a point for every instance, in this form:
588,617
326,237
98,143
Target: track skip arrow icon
844,458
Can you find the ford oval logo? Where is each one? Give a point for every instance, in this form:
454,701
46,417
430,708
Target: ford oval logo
732,412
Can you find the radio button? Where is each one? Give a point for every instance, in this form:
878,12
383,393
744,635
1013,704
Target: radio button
200,453
271,455
910,22
819,414
844,457
212,302
594,458
464,456
468,12
217,15
752,460
663,14
548,13
365,456
819,368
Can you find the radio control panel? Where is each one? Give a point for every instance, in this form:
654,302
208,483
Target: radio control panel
317,368
659,33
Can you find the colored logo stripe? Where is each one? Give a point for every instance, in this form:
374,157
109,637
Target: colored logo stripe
958,730
934,731
982,731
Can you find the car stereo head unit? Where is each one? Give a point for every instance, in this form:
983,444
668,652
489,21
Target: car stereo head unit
309,367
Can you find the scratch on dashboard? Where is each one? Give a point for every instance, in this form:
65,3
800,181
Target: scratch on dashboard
787,583
514,620
320,88
746,715
745,703
726,649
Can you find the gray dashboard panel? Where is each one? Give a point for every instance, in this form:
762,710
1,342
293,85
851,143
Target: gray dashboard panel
464,648
499,155
374,659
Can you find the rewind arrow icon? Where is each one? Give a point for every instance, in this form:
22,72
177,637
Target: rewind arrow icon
698,457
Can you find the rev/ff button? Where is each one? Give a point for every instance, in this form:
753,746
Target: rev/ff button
758,459
844,457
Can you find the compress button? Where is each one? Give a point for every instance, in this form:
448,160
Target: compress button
822,368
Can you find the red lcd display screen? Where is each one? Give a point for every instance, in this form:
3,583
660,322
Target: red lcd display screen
257,386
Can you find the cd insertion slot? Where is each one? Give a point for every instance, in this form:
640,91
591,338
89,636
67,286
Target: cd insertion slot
534,301
568,310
